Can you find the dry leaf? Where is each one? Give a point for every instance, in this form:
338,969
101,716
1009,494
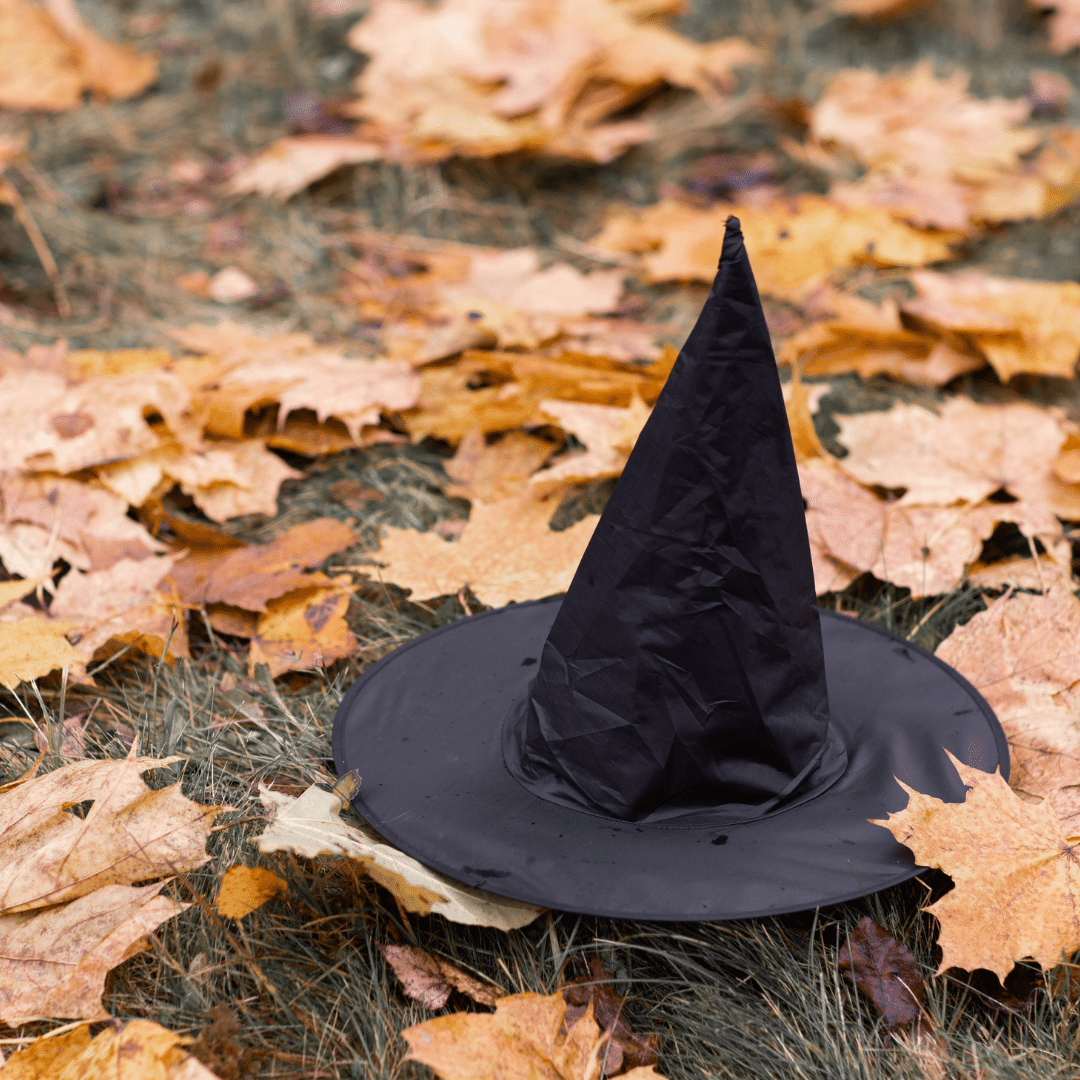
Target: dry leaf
129,834
225,479
506,552
965,453
594,995
248,577
430,979
48,57
1022,655
883,969
1017,885
245,889
607,432
53,962
926,549
32,647
68,428
290,164
230,285
791,243
473,77
873,9
126,601
137,1050
497,471
1019,326
1064,22
525,1037
83,523
312,826
303,629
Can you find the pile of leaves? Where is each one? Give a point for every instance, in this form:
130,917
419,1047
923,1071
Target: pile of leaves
288,391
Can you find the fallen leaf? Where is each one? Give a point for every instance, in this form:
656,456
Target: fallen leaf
129,834
311,826
1019,326
250,576
526,1036
225,479
594,995
230,285
126,599
500,470
49,426
885,971
607,432
89,520
431,980
791,243
1021,654
72,739
53,962
926,549
1015,874
1064,22
873,9
32,647
472,77
137,1050
48,57
965,453
506,552
245,889
303,629
934,142
289,165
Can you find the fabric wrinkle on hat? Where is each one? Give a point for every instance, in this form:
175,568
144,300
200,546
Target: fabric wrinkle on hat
684,671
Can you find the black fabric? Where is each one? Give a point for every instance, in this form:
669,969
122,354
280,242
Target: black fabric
423,727
685,670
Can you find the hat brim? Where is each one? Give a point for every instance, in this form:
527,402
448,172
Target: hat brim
423,728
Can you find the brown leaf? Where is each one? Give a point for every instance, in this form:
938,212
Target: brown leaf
53,962
248,577
245,889
1064,22
791,243
497,471
1017,886
430,979
506,552
526,1037
885,970
303,629
594,994
129,833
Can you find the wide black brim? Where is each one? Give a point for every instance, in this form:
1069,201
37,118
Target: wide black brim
423,728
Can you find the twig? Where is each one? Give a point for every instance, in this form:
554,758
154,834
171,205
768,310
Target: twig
10,194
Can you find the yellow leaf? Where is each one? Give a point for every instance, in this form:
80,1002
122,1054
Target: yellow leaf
1017,875
31,648
244,889
303,629
312,826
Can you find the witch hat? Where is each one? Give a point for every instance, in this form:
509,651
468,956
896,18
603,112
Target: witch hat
685,735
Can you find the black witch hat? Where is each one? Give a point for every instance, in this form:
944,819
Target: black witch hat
685,735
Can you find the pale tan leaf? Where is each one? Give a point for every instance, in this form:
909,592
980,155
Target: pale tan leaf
53,962
1017,883
506,552
501,470
607,432
289,165
312,826
129,834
